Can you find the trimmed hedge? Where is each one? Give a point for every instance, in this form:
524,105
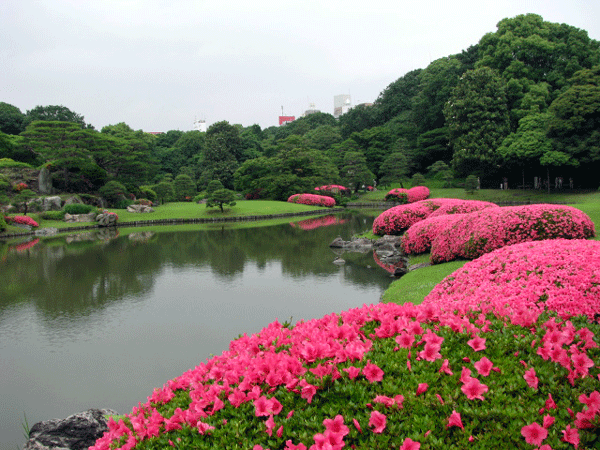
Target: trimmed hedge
312,199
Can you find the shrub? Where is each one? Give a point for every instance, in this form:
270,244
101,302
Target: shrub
411,195
383,376
123,204
471,184
78,208
418,238
113,192
457,206
147,192
418,179
19,187
312,199
561,275
480,232
53,215
399,218
23,220
7,162
3,224
143,201
399,195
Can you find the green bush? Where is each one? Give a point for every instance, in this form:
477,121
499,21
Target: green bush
113,192
123,204
3,225
148,193
78,208
7,162
53,215
418,179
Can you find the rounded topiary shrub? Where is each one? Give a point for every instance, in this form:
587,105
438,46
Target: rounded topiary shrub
114,193
3,225
398,219
78,208
312,199
480,232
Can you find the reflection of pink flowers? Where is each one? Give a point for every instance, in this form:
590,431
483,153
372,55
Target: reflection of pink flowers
317,222
25,245
312,199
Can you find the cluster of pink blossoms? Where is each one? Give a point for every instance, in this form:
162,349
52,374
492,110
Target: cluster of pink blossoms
331,187
475,345
412,195
312,199
399,218
23,220
480,232
561,275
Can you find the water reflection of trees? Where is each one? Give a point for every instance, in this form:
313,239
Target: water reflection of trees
64,276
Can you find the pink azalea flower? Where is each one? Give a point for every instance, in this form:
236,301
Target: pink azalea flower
445,368
534,433
357,425
484,366
548,421
465,375
373,373
422,388
405,339
531,379
592,401
377,421
571,436
409,444
336,425
289,445
439,397
474,389
455,421
353,372
477,343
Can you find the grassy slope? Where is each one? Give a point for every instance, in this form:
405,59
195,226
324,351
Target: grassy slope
414,286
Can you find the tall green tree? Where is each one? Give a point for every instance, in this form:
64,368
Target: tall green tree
395,168
477,120
55,113
12,120
355,171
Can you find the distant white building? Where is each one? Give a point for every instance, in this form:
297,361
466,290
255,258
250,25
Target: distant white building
311,110
341,104
200,125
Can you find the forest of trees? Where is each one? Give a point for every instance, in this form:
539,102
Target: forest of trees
523,102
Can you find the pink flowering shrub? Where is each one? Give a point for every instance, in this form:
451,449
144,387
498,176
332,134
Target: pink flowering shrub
23,220
399,218
561,275
312,199
411,195
331,188
417,239
384,376
480,232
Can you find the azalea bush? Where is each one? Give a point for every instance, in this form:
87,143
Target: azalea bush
418,238
562,275
22,220
411,195
332,188
385,376
312,199
480,232
399,218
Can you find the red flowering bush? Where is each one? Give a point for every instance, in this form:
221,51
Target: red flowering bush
458,206
385,376
561,275
312,199
399,218
331,188
19,187
480,232
399,195
22,220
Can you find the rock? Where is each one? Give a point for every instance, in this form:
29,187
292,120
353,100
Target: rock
72,200
139,209
76,432
339,261
51,203
49,231
338,242
106,220
91,217
45,182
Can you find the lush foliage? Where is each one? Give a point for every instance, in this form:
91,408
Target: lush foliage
220,198
331,188
2,223
312,199
447,374
480,232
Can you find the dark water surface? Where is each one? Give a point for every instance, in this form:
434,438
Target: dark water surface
100,320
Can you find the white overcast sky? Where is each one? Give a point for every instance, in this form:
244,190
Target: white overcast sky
158,65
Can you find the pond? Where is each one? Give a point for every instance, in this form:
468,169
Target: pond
99,319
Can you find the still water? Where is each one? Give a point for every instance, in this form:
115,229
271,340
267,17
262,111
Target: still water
98,320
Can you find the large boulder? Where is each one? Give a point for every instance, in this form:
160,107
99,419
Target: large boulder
51,203
45,181
139,209
90,217
76,432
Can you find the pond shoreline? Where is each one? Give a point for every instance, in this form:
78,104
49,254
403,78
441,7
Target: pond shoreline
142,223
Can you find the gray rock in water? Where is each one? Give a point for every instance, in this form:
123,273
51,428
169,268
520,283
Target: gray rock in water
76,432
49,231
338,242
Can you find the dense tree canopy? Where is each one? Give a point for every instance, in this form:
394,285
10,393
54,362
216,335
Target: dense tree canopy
12,120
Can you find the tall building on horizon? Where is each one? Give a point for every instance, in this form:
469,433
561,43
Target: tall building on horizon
341,104
200,125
